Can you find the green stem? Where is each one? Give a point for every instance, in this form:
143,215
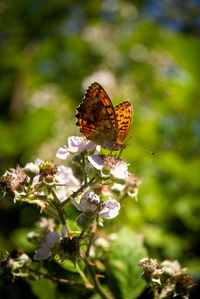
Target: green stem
79,191
58,207
96,281
92,234
83,168
83,276
61,280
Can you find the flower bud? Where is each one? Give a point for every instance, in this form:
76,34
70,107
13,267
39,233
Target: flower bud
31,170
77,158
106,171
83,221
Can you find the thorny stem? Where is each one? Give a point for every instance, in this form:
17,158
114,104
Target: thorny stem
92,234
84,278
79,191
96,281
64,281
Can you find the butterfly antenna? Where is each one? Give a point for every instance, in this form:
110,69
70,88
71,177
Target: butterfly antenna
144,149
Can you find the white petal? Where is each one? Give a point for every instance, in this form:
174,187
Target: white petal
120,171
42,254
90,146
89,202
97,150
51,239
63,231
96,161
76,144
38,162
75,203
87,206
110,209
66,178
63,153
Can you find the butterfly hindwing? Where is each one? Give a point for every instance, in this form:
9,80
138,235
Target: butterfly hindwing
123,113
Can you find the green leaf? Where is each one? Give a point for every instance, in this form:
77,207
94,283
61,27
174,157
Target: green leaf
43,288
123,270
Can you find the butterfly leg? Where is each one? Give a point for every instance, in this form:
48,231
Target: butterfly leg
121,150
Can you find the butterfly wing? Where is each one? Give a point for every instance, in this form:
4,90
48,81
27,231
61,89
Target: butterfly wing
123,113
96,117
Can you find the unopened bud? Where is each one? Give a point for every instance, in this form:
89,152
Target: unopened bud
106,171
83,221
77,158
31,170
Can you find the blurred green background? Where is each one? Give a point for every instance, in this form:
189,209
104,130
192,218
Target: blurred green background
143,51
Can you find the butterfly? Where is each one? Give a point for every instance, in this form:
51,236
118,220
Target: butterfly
102,123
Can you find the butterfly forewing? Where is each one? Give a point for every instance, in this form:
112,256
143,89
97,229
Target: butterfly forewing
100,122
96,117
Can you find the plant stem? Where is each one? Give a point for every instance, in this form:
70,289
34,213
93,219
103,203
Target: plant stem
96,281
58,207
62,280
83,276
80,190
92,234
83,168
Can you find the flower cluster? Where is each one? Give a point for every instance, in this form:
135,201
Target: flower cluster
57,189
95,186
167,279
12,182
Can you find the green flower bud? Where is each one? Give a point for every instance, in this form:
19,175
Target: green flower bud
106,171
77,158
83,221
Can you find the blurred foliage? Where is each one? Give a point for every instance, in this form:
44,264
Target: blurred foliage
143,51
125,253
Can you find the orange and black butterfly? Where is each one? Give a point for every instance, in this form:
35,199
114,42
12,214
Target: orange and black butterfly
102,123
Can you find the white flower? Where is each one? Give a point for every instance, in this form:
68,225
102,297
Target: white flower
63,153
66,178
118,168
88,203
110,209
77,145
66,181
42,254
91,203
50,241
